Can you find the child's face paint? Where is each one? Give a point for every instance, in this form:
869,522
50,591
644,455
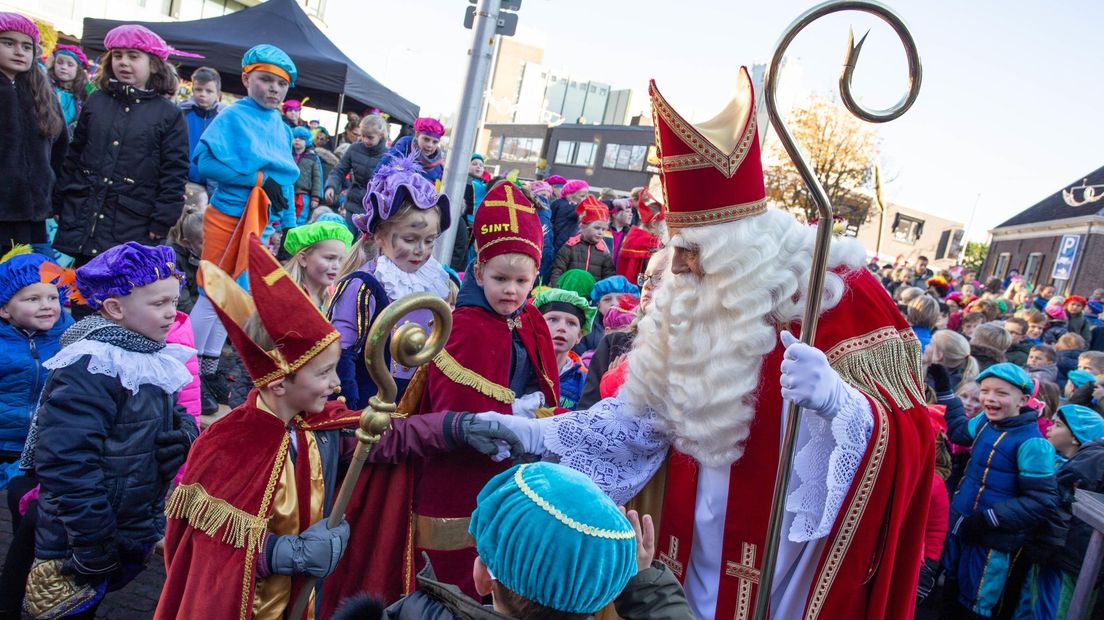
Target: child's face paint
322,262
266,89
408,241
970,400
149,310
505,282
131,67
33,308
313,384
1000,399
565,329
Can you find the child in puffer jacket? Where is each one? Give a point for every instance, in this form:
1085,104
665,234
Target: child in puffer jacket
188,397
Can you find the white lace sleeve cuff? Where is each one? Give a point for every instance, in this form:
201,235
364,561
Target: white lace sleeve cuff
831,449
617,449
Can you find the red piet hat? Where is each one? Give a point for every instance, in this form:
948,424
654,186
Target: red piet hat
1073,298
590,209
297,328
650,209
507,223
712,171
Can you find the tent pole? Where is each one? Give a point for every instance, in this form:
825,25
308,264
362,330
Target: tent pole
340,109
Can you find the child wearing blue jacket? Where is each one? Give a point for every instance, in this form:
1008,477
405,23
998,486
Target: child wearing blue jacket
1008,487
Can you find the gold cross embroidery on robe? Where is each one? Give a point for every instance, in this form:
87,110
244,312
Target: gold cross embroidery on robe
746,576
670,557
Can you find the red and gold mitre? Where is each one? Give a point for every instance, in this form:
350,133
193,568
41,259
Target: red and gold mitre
507,223
648,207
590,209
711,171
296,326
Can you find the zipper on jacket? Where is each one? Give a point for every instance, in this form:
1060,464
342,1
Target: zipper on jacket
33,405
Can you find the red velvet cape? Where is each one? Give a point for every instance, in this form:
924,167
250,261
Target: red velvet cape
872,558
472,380
636,250
234,465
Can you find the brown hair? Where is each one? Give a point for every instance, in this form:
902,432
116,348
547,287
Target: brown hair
521,608
992,334
1051,397
1047,351
187,229
987,307
972,317
1031,315
1070,342
163,78
47,111
1017,321
78,85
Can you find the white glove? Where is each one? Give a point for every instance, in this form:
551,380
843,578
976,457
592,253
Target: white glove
526,406
529,431
807,379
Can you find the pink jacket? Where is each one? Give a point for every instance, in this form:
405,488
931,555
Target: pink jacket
181,333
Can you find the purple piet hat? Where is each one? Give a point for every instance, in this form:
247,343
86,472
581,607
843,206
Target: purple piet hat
123,268
397,182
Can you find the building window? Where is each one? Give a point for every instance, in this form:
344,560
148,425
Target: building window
907,229
521,149
1031,270
494,149
625,156
1001,268
572,153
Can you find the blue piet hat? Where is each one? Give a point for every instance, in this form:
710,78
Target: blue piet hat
302,133
265,57
612,284
21,268
123,268
399,180
1080,377
548,533
1085,424
1011,373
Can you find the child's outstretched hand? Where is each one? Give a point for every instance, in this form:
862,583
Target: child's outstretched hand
645,538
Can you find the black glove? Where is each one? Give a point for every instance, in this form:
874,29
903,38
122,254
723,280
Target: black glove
941,379
484,435
973,527
172,450
929,570
315,552
93,564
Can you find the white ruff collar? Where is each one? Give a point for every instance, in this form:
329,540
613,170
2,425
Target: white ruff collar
164,369
429,278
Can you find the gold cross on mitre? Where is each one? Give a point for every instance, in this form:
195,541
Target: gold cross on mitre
510,204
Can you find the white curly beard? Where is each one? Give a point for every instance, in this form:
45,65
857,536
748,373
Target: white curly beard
699,349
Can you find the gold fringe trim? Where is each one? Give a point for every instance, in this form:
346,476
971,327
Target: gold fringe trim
468,378
884,361
208,514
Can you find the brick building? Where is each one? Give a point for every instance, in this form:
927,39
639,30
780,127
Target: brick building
1064,229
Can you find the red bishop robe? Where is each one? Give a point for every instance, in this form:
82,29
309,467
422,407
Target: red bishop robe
871,559
471,374
636,250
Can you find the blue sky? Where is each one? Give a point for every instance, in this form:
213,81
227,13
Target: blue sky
1010,106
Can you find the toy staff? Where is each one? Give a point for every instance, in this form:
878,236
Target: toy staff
410,347
824,225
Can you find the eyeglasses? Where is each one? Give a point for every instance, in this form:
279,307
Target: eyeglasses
644,278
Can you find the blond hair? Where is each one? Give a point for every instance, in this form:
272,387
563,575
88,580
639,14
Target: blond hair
992,334
956,354
1070,342
923,311
298,275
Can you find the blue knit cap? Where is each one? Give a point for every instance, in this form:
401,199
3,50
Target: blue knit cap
548,533
18,272
266,54
1011,373
301,132
613,284
1085,424
1080,377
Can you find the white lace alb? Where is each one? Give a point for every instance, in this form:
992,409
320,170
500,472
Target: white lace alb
830,449
429,278
164,369
618,450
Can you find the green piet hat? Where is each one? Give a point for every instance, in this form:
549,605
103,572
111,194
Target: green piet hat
305,236
554,299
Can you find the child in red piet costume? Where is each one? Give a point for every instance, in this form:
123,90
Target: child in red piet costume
644,240
247,522
500,350
587,250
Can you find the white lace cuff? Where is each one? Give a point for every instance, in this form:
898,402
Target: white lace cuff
831,449
164,369
618,450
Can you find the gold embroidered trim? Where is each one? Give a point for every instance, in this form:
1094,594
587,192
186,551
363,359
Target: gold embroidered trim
456,373
318,347
725,163
679,219
274,276
482,248
886,360
250,551
852,517
208,514
582,528
442,534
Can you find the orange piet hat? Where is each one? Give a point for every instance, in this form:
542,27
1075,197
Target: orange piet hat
712,171
507,223
296,327
590,209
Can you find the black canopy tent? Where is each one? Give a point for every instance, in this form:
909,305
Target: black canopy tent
326,74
